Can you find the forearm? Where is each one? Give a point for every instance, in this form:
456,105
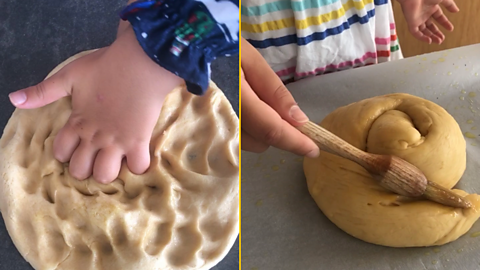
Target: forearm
184,36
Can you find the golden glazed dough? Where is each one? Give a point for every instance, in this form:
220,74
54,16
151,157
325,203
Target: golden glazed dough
414,129
182,214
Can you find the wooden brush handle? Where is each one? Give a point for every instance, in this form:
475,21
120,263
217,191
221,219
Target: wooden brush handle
393,173
333,144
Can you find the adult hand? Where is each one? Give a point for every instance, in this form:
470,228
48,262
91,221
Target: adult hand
269,112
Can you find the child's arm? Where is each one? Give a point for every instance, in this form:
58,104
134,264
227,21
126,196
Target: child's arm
185,36
116,100
124,24
269,112
117,93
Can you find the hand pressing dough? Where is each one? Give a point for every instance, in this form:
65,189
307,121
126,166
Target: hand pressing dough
182,214
414,129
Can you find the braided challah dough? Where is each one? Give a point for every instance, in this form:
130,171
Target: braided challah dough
417,130
183,213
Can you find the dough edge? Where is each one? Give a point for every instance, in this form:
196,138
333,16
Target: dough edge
350,204
9,169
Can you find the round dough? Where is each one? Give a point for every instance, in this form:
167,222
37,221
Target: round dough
414,129
183,213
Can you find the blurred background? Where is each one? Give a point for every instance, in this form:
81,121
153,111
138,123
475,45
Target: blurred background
466,32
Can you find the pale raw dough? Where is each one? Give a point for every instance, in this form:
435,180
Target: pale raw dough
182,214
414,129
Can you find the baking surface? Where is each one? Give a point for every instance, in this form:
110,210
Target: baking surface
282,227
36,36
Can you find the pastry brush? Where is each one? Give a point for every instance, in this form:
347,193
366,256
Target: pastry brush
393,173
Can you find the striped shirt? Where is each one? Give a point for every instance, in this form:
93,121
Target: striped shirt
301,38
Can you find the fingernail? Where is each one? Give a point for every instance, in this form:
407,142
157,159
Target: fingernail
314,153
297,114
18,98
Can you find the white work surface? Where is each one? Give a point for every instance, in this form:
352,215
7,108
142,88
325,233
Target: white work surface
282,227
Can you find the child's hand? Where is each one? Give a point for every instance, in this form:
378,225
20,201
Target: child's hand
117,93
269,112
420,14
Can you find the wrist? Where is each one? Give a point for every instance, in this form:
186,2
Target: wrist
127,47
127,39
183,36
123,25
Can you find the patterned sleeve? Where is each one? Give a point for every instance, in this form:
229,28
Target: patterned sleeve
185,36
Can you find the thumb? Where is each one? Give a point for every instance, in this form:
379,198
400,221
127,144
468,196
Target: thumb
269,87
41,94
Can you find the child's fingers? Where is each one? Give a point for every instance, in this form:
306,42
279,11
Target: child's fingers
450,5
427,32
65,143
41,94
81,163
436,39
432,36
416,33
251,144
264,124
442,19
107,165
436,32
138,158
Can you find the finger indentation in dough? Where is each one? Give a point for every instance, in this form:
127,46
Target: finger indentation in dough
187,240
138,221
158,238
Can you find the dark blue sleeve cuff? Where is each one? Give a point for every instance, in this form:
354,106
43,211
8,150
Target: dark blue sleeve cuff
185,36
